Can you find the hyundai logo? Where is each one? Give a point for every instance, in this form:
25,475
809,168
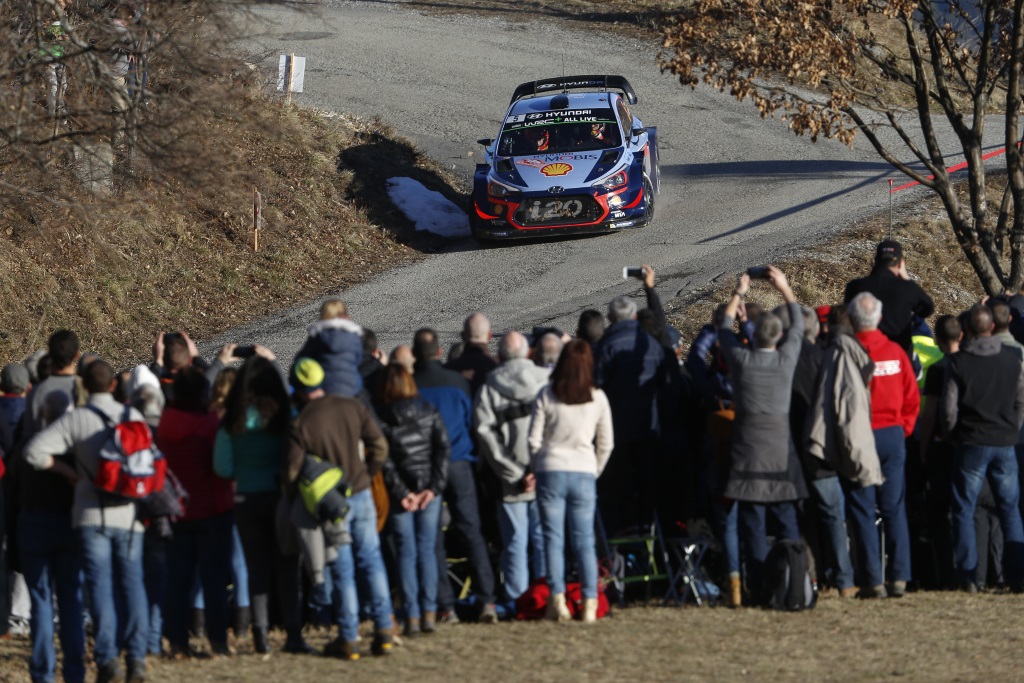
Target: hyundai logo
556,189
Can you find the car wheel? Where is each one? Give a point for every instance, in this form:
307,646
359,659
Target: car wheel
648,201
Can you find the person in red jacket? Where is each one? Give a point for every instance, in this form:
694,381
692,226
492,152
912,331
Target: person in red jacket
202,538
895,404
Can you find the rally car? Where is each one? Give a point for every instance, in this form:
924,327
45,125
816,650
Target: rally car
571,157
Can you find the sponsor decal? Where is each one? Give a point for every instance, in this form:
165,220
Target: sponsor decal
618,214
887,368
518,118
532,163
556,169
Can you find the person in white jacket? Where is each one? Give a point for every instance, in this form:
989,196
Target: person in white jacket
570,441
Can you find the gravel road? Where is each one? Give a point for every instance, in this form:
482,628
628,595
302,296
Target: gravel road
735,189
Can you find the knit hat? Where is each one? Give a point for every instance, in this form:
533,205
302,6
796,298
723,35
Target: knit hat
14,378
307,375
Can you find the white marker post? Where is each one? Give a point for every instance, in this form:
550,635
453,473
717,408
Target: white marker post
291,72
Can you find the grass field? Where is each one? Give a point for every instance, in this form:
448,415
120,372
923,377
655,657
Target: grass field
922,637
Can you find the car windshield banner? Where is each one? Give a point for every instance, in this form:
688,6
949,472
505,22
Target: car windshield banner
565,130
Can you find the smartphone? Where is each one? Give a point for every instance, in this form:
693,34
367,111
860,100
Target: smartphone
244,351
758,272
628,272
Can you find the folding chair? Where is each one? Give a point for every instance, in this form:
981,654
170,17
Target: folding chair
689,577
645,554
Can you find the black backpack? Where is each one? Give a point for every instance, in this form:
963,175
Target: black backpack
786,579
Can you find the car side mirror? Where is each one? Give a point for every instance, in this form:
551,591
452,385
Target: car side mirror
637,132
486,142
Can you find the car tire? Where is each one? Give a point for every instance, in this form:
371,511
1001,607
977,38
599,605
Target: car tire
648,201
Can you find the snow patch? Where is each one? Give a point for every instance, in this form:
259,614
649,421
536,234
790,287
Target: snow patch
429,210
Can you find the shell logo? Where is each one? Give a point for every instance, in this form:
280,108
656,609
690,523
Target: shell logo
555,169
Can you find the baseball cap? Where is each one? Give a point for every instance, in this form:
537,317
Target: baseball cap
14,378
888,249
823,312
307,375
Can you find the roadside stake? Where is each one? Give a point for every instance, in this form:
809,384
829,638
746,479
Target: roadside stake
257,218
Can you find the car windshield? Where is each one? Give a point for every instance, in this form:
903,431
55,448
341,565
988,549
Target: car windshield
550,132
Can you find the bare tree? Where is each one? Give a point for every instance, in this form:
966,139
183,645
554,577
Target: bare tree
123,88
876,61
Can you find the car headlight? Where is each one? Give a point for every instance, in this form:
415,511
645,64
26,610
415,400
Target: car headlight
613,181
496,189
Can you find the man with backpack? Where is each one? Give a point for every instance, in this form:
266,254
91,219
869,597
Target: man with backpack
107,527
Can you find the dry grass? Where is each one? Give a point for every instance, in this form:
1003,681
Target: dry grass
923,637
175,257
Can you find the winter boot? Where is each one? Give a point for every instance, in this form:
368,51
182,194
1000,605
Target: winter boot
589,610
735,591
557,610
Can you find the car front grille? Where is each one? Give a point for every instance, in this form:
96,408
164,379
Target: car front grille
558,210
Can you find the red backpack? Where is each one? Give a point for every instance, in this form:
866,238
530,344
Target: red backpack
130,467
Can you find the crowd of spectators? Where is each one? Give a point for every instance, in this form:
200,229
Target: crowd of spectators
825,425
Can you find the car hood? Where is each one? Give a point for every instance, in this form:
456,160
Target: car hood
570,169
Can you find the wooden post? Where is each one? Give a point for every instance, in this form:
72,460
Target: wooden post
257,218
289,73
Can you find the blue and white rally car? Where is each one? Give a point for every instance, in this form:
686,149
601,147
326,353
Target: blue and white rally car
570,158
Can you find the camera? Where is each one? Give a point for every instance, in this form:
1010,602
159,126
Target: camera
758,273
628,272
244,351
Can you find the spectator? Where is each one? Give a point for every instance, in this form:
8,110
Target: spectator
109,534
631,367
415,474
1001,317
840,441
448,391
570,439
14,386
982,411
402,355
765,477
336,342
547,350
895,404
202,539
63,356
502,418
937,454
249,449
590,327
476,360
333,427
371,368
901,298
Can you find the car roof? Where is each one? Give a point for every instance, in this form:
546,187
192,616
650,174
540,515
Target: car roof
577,100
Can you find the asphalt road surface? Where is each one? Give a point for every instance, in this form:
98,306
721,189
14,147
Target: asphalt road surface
736,190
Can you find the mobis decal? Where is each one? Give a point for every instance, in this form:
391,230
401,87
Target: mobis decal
556,169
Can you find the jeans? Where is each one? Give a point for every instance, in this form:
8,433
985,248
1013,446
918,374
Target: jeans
239,575
971,465
364,553
890,499
460,495
49,561
254,515
107,554
416,537
203,545
753,528
828,499
726,516
520,527
572,495
154,577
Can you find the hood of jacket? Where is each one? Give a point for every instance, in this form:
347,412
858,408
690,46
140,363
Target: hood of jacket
983,346
857,353
332,332
519,379
873,341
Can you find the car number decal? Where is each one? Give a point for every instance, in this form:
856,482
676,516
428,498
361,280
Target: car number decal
554,209
556,169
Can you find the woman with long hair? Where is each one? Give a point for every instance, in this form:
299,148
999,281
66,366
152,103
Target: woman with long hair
570,442
250,448
415,474
201,539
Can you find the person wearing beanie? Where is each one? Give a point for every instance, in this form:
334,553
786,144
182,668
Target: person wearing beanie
332,427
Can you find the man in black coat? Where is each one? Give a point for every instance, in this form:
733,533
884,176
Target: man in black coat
901,298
